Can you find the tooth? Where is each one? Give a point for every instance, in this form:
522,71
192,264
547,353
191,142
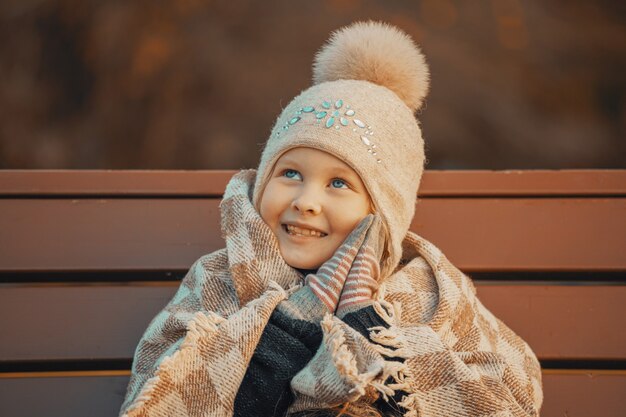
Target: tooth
303,232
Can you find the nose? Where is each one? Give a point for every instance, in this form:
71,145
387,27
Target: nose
307,202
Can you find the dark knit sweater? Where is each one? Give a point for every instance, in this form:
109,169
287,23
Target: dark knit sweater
286,346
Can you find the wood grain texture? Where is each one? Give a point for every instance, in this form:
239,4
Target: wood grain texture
584,394
526,234
563,321
212,183
484,234
119,183
116,223
581,394
106,322
62,396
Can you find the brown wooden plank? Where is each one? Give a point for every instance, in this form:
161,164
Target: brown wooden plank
104,234
572,394
202,183
527,234
520,234
560,321
584,394
106,322
523,183
62,396
77,322
113,183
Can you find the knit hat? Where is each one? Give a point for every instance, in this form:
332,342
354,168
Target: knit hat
368,82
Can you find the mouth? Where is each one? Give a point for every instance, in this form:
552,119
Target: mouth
301,231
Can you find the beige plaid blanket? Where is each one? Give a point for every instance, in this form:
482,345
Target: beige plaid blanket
458,359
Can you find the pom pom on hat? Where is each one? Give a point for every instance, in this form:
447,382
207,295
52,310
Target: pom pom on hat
378,53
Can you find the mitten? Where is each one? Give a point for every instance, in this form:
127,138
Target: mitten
322,290
363,276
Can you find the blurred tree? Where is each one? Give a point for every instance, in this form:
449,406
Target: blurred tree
193,84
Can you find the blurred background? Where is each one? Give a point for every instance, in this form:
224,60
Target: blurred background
194,84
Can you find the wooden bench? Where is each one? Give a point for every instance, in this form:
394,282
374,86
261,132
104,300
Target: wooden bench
87,258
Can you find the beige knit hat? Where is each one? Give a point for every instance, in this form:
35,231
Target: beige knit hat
369,80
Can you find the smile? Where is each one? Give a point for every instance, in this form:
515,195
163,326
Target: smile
298,231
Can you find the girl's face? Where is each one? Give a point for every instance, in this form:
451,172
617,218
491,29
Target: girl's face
312,202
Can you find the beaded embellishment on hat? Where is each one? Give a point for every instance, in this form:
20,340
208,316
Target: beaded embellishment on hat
330,115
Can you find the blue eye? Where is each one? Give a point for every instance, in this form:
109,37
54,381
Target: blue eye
292,174
337,183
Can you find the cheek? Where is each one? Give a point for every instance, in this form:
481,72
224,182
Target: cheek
265,208
271,204
349,216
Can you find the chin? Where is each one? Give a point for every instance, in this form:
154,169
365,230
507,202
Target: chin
301,261
299,264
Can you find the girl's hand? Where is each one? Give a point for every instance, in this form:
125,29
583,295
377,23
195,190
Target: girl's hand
363,276
343,283
328,282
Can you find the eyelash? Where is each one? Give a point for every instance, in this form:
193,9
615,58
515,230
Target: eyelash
339,179
344,182
284,173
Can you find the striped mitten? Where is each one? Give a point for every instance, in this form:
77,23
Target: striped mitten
323,289
362,279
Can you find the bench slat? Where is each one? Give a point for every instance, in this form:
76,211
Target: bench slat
213,182
106,322
573,394
583,394
527,234
482,234
116,223
62,396
560,321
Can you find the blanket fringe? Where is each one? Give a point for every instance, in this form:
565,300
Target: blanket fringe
201,324
388,341
390,313
343,358
391,343
397,372
387,380
387,337
410,402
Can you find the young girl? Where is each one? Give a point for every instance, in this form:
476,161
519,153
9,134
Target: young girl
323,302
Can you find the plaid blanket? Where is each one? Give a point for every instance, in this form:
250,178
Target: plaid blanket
457,358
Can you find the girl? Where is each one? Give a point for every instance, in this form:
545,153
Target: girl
323,302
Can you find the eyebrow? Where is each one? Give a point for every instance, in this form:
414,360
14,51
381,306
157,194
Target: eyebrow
286,161
347,172
336,170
